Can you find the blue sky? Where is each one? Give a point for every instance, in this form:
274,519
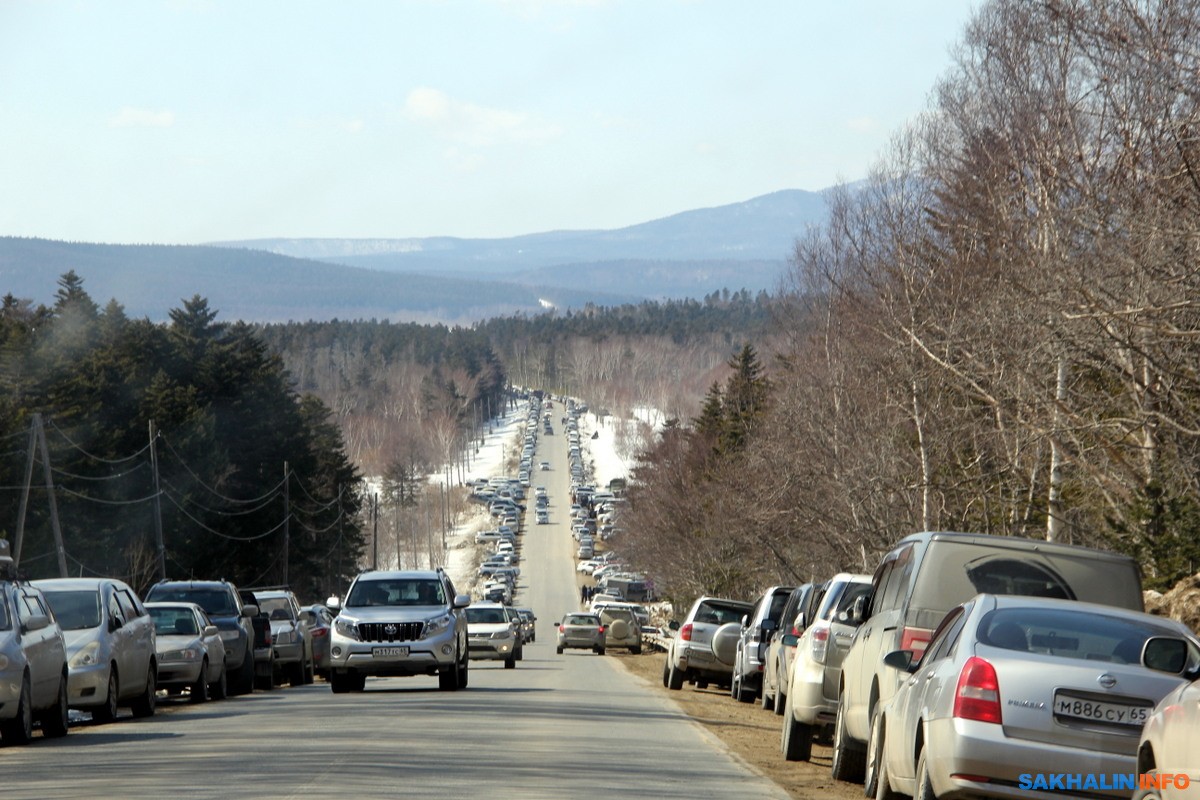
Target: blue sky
186,121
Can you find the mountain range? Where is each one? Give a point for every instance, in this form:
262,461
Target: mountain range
454,280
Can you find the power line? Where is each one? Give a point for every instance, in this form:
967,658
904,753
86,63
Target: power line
127,472
183,511
270,493
93,456
220,512
82,496
310,529
300,483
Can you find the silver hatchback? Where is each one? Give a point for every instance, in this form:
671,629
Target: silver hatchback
582,631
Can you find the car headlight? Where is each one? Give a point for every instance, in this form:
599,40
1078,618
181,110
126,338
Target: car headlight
437,624
85,656
347,628
229,636
186,654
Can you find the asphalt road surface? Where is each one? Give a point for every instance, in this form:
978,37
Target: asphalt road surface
569,726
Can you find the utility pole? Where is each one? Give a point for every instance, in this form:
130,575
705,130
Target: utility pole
54,525
287,514
24,505
375,531
158,529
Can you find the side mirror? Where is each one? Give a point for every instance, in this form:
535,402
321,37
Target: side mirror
36,622
334,603
858,611
211,630
900,659
462,601
769,626
250,611
1165,654
790,640
745,620
673,624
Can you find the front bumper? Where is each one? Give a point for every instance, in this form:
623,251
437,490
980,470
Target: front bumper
488,649
178,673
87,687
424,656
10,690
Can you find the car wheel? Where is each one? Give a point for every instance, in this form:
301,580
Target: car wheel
743,694
768,700
796,738
521,653
780,699
559,650
874,752
448,678
310,670
924,788
675,678
701,684
338,682
56,719
108,711
19,729
849,759
358,681
637,651
244,683
600,652
145,703
220,689
296,678
883,783
510,662
200,687
464,671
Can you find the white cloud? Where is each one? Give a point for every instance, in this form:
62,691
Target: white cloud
863,124
129,117
472,125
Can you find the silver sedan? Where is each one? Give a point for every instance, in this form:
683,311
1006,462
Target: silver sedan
1027,697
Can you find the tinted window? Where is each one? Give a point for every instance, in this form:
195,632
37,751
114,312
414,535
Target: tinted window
882,583
397,592
717,612
128,606
778,601
76,610
486,616
897,589
217,602
852,592
1082,635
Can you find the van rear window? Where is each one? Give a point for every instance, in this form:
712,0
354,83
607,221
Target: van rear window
954,572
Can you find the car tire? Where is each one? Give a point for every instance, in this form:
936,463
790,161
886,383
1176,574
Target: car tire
219,689
338,682
510,662
780,699
874,755
637,651
200,687
357,681
796,738
675,678
296,678
924,787
56,720
464,671
600,652
448,678
244,682
521,653
145,703
768,700
849,758
108,711
310,671
744,695
883,783
701,685
19,729
559,650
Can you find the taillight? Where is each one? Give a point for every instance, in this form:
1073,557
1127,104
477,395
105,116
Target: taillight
820,640
602,629
977,696
685,633
916,640
319,632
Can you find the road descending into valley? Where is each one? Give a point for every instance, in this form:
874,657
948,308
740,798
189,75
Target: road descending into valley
571,726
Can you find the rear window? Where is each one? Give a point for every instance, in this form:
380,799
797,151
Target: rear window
839,599
778,601
721,612
215,602
1081,635
954,572
583,619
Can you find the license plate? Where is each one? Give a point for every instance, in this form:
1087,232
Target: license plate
1083,708
389,652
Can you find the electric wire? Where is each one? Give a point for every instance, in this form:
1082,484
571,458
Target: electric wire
340,516
184,511
89,499
75,476
217,511
210,489
93,456
300,483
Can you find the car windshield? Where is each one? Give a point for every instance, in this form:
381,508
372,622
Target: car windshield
397,592
76,610
173,621
1065,633
486,616
215,602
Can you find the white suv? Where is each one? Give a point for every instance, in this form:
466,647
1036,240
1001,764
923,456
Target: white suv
399,623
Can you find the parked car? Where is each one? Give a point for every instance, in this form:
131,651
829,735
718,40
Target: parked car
1012,687
491,634
402,622
690,656
265,676
927,574
757,629
1170,744
191,655
221,601
33,660
581,631
528,624
621,628
290,638
797,613
319,621
816,670
518,625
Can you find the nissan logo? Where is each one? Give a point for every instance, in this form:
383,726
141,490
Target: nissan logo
1107,681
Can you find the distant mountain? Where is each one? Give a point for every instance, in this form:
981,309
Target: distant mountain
692,254
256,286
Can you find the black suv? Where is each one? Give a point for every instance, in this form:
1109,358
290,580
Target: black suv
220,600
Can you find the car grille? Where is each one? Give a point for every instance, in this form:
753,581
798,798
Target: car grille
390,631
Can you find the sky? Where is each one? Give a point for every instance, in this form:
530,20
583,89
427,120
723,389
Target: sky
192,121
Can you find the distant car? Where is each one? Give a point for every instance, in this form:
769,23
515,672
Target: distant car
291,639
518,623
191,654
1011,688
1170,743
111,655
528,623
757,629
543,517
621,628
544,466
581,631
691,657
491,635
33,661
796,615
223,604
319,621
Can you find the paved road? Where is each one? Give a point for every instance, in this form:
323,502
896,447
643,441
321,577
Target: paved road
568,726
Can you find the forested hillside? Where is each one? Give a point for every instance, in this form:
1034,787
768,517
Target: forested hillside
195,420
1008,328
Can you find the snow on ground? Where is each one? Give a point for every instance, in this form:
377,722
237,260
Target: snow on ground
613,453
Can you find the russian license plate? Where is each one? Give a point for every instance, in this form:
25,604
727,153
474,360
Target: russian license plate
389,652
1084,708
